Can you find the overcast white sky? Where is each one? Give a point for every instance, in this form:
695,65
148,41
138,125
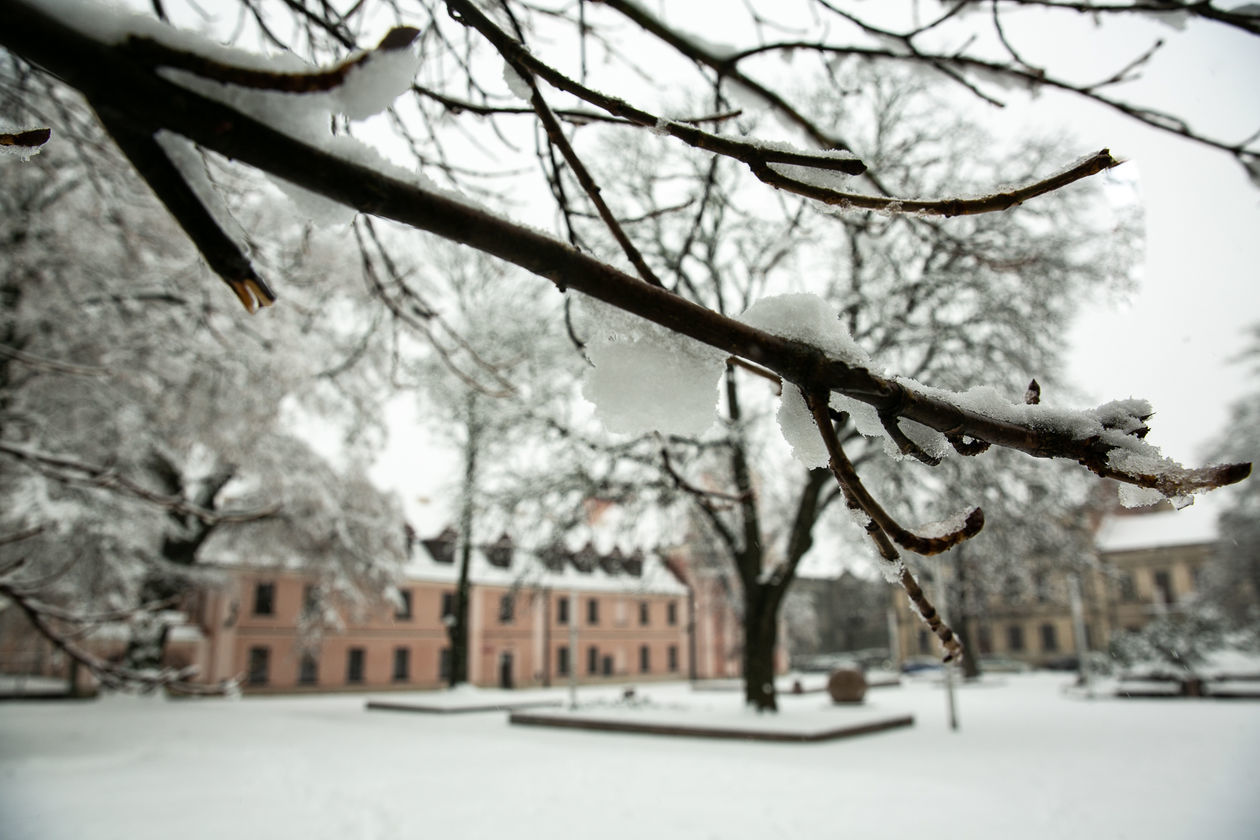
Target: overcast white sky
1172,341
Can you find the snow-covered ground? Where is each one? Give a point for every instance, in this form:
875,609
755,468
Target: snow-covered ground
1029,761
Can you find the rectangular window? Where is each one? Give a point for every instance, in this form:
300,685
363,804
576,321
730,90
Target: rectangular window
403,611
645,613
1049,638
444,664
448,604
607,666
1128,589
308,670
259,665
592,611
925,642
1015,638
671,613
645,659
264,598
354,665
310,600
402,664
1163,588
562,610
986,639
562,661
507,608
592,660
673,658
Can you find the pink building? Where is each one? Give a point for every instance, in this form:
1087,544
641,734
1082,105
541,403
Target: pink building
269,625
279,627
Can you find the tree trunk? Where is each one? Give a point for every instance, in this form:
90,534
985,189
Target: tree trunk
761,637
966,621
458,627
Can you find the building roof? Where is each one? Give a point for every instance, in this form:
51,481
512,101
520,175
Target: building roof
585,570
1160,527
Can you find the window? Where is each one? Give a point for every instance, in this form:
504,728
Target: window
444,664
986,639
403,612
308,670
592,660
592,611
259,665
671,613
607,666
1163,588
310,600
354,665
1049,638
402,664
448,604
1015,637
645,659
645,613
562,661
507,608
1128,590
562,610
264,598
673,658
925,642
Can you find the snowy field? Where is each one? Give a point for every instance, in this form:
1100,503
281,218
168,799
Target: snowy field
1030,761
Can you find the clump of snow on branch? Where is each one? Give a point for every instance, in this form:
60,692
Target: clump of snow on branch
810,319
370,85
943,527
647,378
516,83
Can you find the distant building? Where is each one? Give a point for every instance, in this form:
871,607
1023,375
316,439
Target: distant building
277,627
628,611
1145,563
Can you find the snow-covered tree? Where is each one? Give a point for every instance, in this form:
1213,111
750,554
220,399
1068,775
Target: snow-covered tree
1234,575
136,437
465,70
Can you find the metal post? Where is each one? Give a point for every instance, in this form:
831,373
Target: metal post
950,702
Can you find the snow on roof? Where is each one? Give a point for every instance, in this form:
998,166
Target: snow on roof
525,568
1160,528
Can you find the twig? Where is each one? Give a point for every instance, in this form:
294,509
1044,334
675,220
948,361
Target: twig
877,520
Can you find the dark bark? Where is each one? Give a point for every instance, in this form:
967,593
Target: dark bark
966,618
457,628
761,636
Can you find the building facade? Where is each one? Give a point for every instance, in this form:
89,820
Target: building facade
533,621
1145,563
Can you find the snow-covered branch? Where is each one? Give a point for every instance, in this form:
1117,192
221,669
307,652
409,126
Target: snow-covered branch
69,470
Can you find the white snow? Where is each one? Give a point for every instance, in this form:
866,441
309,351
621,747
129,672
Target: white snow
516,83
1194,525
799,429
647,378
1029,761
811,319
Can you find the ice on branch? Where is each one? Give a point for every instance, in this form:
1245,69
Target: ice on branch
647,378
